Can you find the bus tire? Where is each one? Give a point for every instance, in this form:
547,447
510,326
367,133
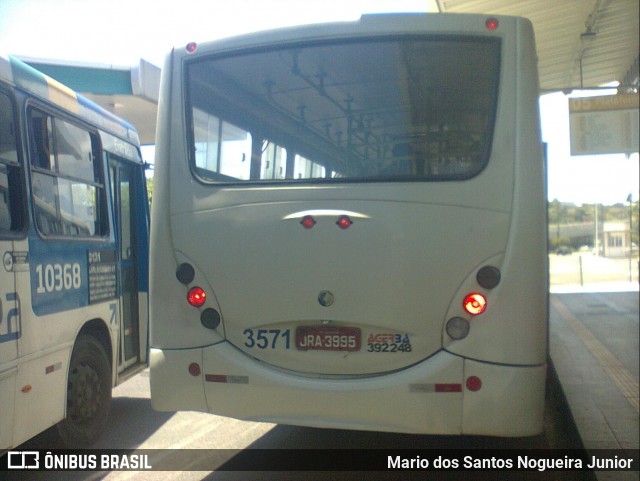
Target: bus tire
88,394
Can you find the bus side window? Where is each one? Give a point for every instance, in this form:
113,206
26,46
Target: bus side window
67,185
42,139
222,149
11,203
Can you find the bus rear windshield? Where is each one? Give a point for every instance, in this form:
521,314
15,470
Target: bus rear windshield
417,108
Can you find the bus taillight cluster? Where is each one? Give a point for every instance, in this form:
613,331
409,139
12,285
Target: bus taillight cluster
474,303
197,296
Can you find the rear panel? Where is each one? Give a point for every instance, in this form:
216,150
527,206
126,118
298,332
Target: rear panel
335,196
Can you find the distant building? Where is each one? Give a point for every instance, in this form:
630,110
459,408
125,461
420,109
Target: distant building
616,239
613,237
573,235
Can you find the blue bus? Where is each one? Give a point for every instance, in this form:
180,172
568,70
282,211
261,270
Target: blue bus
74,230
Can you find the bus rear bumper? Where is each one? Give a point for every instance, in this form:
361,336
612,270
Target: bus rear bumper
429,397
510,401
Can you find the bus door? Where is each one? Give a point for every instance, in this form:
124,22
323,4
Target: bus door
123,200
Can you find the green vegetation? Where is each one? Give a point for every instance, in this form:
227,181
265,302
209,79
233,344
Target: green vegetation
567,213
150,189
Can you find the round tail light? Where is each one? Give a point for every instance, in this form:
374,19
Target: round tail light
474,383
474,303
196,296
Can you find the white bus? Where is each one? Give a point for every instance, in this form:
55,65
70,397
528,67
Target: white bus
349,227
74,244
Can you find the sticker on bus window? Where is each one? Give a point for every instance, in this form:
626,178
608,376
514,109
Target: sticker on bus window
102,275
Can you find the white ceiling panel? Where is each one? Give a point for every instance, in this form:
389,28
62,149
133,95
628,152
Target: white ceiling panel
580,42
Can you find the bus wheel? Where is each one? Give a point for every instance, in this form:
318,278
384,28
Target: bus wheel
88,394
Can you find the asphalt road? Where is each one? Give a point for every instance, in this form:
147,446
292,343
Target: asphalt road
189,441
135,425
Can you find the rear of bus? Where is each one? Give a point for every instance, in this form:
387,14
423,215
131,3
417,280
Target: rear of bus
348,228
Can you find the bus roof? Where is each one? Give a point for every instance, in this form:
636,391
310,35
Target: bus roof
367,25
27,78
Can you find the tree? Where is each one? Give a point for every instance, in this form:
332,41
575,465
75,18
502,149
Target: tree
150,189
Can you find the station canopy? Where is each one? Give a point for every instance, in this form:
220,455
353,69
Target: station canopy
580,44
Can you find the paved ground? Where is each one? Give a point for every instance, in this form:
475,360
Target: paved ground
584,272
594,347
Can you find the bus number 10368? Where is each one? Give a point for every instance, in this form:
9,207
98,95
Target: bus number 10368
58,277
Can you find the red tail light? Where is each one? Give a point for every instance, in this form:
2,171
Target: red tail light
474,383
475,303
196,296
194,369
344,222
308,222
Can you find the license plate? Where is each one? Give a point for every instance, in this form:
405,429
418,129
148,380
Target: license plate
324,338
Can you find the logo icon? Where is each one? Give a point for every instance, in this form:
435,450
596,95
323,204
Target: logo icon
325,298
23,460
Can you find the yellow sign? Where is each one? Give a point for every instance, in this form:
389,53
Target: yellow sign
604,125
607,102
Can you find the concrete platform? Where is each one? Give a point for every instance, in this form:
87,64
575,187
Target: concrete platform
594,348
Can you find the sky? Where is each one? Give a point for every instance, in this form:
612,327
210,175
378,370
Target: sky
121,32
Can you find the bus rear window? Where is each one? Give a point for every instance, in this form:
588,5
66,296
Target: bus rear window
416,108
